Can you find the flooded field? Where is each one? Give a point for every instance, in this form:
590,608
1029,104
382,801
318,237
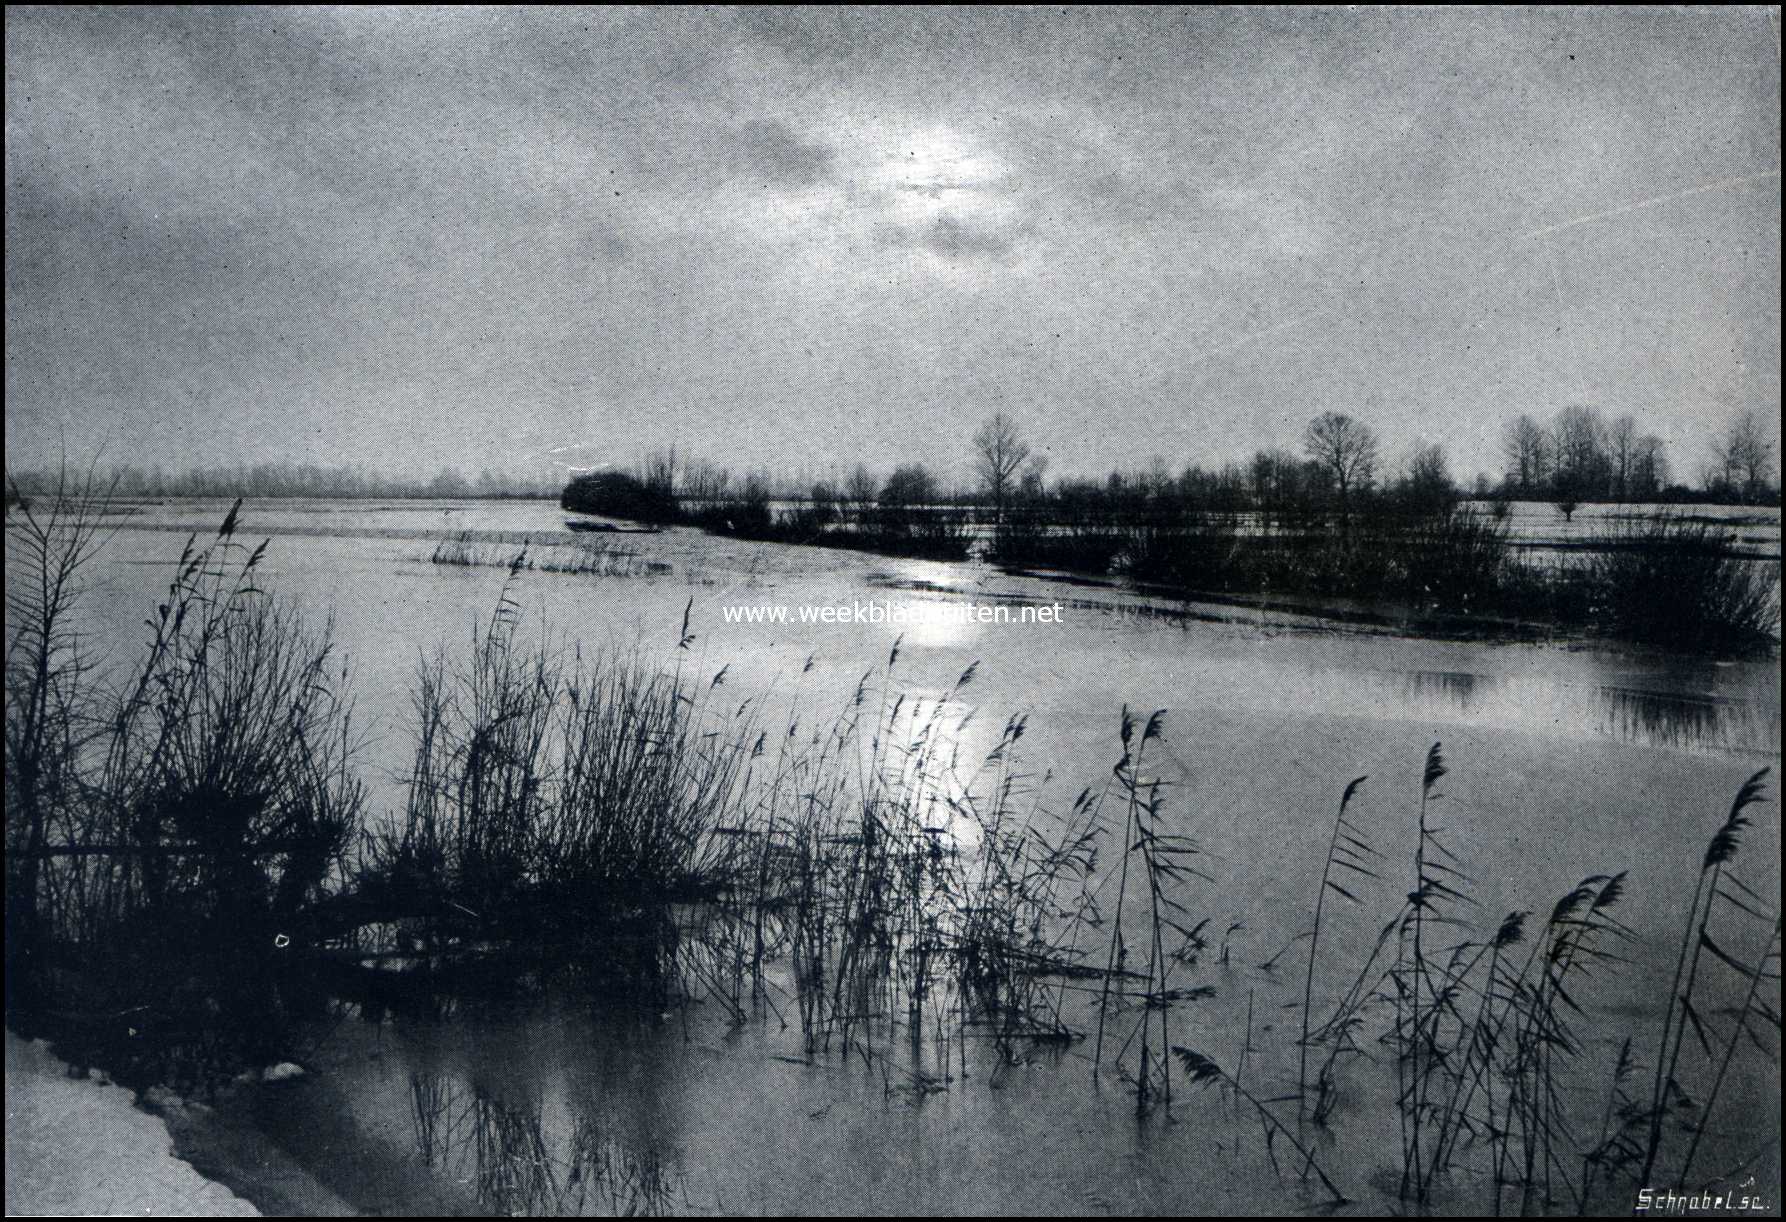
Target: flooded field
1565,761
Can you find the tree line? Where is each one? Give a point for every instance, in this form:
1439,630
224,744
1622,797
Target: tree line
1576,457
1581,456
288,479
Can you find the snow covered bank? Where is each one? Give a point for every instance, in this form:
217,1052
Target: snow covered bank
75,1146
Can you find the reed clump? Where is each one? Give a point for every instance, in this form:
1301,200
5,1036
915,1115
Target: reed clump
584,558
171,828
1489,1035
546,790
1672,581
910,891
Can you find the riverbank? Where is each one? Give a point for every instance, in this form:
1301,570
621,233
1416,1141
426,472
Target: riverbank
79,1146
82,1145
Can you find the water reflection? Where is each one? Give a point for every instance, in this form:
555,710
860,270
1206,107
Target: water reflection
522,1165
1684,716
1686,721
1454,687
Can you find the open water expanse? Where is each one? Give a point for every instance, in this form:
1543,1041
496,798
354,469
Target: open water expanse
1566,760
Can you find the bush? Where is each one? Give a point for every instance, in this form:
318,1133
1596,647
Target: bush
1192,550
1024,539
1671,582
615,494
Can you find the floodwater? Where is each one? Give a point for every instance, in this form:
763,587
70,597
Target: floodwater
1565,761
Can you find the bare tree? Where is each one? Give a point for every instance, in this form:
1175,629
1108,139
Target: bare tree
1344,448
1578,441
909,485
1621,449
1000,451
1428,485
658,471
1527,449
859,490
1746,456
704,481
1649,470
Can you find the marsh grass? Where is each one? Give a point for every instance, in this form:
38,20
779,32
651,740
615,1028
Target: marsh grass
1159,863
583,558
562,798
197,807
547,790
49,693
1665,580
1717,890
1347,850
909,887
1489,1043
1203,1071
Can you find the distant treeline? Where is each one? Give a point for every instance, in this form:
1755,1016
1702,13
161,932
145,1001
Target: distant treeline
1576,457
1579,457
282,479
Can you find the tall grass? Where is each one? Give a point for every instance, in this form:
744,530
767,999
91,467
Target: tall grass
546,789
1670,581
1489,1045
584,558
197,808
1160,863
1716,888
49,697
1347,850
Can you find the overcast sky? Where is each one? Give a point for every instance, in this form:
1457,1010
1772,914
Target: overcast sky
803,238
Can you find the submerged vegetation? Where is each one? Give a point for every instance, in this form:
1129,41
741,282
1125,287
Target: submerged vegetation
193,872
585,558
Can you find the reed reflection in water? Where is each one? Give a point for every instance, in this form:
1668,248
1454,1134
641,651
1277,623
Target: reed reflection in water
1688,718
1689,722
503,1149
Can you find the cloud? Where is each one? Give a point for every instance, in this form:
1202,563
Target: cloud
934,190
770,150
955,237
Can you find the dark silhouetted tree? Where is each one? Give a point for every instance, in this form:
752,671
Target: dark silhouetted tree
1346,448
999,450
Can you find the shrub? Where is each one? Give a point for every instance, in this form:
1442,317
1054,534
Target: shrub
1664,580
615,494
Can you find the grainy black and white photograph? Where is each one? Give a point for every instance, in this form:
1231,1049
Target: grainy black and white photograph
857,611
